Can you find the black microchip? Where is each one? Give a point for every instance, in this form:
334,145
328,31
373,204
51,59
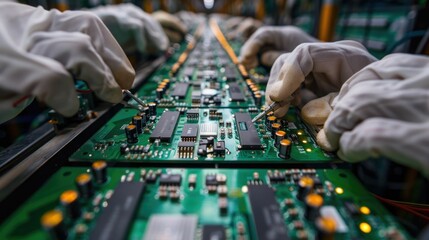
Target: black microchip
230,74
190,132
219,148
249,138
170,179
114,221
193,113
268,220
211,180
202,150
165,127
235,93
214,232
180,90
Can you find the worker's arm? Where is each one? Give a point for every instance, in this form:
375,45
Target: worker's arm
42,52
383,110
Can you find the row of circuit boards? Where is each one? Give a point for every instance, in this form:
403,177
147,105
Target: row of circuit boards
183,160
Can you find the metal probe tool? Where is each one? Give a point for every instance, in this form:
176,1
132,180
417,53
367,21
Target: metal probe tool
140,102
270,108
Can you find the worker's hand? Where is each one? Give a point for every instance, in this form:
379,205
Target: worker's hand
244,29
189,18
42,52
383,110
321,68
134,29
269,43
172,25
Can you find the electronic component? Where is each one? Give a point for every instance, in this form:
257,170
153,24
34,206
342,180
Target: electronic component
53,222
165,127
189,132
70,201
208,130
131,133
138,122
152,108
219,148
235,93
249,138
214,232
332,213
170,179
193,114
285,148
230,74
180,90
165,226
84,185
313,202
99,170
186,149
267,218
119,212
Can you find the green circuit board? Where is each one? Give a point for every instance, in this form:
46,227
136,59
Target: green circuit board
220,124
205,204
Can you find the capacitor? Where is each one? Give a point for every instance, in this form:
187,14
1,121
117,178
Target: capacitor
131,133
274,128
325,227
305,186
152,109
313,202
167,82
84,185
280,135
70,201
159,93
53,222
270,120
99,170
145,118
147,112
138,121
285,148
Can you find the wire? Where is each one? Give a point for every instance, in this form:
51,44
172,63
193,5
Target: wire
408,207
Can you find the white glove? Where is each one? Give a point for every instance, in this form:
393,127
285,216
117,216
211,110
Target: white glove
270,42
173,27
383,110
322,68
189,18
245,28
134,29
42,52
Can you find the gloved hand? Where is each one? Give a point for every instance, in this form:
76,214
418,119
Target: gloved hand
321,68
189,18
134,29
172,25
383,110
244,29
271,42
42,52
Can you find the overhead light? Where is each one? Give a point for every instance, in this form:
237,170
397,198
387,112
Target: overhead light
208,4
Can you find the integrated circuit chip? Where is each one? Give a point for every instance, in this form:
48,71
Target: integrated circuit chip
235,92
249,138
180,90
190,132
174,227
170,179
230,74
165,127
267,218
115,220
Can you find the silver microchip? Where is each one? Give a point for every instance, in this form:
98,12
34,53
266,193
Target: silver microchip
171,227
208,130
